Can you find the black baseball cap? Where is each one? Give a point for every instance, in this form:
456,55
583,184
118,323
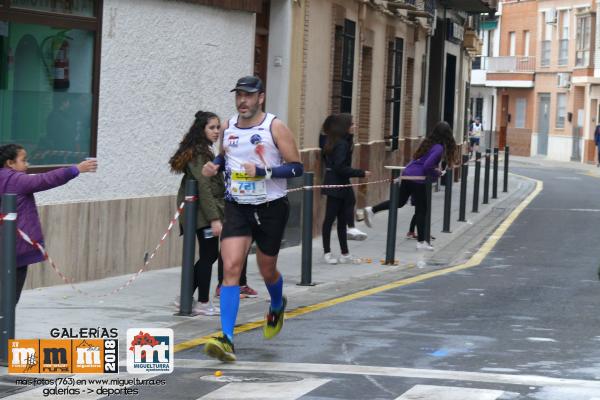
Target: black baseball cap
249,84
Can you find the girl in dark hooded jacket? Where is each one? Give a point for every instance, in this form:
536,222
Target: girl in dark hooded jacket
337,153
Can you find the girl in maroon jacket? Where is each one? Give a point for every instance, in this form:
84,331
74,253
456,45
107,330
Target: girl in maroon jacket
14,180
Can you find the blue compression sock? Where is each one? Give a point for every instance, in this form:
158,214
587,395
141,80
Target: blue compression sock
276,292
230,303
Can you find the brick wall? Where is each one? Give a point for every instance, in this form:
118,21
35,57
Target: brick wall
519,141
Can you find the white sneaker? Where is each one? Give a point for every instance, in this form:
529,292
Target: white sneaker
330,259
356,234
369,216
207,309
348,259
424,246
177,302
359,214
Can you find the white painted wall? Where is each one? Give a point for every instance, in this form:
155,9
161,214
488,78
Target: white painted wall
478,76
278,73
319,71
161,62
561,147
454,49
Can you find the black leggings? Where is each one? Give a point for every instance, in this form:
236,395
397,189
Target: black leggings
413,223
335,208
209,253
417,190
349,207
21,276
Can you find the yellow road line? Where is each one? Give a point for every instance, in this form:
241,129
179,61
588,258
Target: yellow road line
474,261
590,173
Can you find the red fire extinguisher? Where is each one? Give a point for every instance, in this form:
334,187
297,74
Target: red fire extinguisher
61,67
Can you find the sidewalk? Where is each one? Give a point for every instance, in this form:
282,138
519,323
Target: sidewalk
544,162
148,302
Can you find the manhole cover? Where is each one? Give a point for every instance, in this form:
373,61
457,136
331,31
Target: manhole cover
229,377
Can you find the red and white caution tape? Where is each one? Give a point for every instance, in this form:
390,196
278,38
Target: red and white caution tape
403,178
299,189
8,217
69,281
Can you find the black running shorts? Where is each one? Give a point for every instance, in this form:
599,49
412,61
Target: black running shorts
265,223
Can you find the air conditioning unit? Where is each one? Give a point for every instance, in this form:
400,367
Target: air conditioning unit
551,16
564,80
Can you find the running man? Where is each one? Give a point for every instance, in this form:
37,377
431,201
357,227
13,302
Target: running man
258,154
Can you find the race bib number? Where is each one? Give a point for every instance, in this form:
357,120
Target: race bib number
248,190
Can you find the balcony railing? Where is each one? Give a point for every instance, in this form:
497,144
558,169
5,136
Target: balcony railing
415,8
505,64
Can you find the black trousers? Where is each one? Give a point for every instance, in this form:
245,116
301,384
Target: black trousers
209,253
335,208
21,276
350,212
417,190
413,223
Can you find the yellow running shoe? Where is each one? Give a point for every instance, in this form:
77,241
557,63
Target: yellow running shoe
274,321
220,348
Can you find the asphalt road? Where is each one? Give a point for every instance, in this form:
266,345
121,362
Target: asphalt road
522,325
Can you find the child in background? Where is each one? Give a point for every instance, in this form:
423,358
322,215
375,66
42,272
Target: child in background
14,180
440,144
337,153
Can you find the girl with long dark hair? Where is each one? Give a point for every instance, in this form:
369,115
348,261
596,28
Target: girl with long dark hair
14,179
438,145
337,153
194,151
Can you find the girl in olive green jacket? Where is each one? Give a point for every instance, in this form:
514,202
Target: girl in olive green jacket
194,151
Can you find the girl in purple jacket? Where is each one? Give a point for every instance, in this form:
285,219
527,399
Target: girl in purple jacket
439,144
14,180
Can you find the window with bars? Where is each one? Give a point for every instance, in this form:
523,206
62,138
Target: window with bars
343,75
582,41
394,88
545,50
561,109
520,112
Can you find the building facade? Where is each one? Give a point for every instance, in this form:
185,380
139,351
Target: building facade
121,81
545,79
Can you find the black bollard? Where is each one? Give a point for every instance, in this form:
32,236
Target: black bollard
462,211
390,246
8,229
307,227
495,175
476,185
506,152
428,189
190,211
448,200
486,177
